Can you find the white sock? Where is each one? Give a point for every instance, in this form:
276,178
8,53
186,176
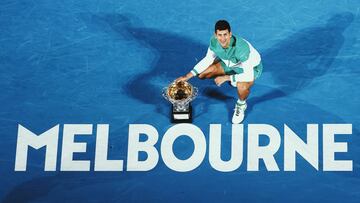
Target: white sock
241,102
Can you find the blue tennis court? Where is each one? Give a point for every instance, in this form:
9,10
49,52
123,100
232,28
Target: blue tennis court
106,62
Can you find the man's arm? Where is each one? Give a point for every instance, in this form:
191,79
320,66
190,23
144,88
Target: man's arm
249,58
200,67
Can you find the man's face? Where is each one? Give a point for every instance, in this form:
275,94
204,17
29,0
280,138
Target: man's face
223,37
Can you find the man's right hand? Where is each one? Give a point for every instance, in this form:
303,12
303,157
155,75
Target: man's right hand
184,78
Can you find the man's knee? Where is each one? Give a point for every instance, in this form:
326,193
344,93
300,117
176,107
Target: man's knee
205,75
243,86
202,76
208,73
211,70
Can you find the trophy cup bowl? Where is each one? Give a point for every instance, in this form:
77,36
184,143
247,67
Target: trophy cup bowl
180,94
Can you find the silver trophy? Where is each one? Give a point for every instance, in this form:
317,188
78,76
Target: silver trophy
180,94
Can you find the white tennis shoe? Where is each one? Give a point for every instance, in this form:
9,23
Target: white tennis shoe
239,113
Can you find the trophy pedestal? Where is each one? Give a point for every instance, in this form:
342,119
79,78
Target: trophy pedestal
181,116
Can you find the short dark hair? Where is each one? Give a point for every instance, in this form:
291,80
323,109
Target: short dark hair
222,25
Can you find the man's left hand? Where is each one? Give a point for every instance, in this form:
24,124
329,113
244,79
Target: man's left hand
221,79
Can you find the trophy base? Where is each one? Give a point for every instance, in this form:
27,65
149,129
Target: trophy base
181,117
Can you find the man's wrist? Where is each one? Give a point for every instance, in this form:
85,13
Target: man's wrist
189,75
193,72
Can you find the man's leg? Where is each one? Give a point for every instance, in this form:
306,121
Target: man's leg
243,89
212,71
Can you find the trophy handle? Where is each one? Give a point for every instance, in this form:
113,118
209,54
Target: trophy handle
195,91
164,93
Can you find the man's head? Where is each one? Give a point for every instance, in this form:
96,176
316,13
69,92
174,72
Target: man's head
223,33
